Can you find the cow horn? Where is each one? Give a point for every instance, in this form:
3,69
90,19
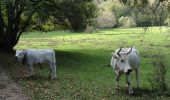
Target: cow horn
130,50
118,53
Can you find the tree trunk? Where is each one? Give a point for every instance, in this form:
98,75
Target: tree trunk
5,46
7,42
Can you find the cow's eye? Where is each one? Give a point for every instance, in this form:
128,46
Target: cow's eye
122,60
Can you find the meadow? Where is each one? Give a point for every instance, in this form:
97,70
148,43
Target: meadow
82,60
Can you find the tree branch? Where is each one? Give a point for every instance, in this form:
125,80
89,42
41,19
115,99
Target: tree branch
2,25
10,15
18,16
158,5
23,28
26,24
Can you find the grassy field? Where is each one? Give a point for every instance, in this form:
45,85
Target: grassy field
82,61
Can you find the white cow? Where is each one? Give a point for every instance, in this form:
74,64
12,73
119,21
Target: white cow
36,56
124,60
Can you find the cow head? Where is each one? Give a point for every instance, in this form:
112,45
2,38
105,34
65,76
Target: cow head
19,55
121,61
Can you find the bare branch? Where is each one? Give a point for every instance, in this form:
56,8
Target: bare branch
26,23
23,28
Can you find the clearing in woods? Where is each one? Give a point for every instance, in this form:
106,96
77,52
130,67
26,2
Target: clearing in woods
82,61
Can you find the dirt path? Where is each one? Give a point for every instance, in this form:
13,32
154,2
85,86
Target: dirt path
9,90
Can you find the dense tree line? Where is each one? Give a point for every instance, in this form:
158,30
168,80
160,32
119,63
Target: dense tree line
130,13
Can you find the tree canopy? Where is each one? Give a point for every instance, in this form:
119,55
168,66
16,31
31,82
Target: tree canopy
132,13
18,16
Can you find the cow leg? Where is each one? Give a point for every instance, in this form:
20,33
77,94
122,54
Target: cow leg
137,76
130,90
52,71
30,70
117,80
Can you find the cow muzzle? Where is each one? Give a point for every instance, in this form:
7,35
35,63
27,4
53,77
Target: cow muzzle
128,71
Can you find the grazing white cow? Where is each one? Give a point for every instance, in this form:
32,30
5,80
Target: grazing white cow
29,57
124,60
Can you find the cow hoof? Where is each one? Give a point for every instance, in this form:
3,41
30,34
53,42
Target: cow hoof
52,78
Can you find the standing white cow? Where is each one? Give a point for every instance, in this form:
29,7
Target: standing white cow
124,60
29,57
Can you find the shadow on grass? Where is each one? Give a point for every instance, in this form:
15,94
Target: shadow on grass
119,33
62,57
142,92
68,59
35,77
64,60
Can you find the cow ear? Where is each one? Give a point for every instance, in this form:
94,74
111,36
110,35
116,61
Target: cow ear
115,56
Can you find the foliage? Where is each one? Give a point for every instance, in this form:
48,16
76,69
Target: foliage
158,77
167,21
144,19
126,22
18,16
121,10
148,13
106,18
78,13
143,12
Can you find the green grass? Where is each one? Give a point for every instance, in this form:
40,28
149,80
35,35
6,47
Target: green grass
82,61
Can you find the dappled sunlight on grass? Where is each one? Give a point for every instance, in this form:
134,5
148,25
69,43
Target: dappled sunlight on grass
82,61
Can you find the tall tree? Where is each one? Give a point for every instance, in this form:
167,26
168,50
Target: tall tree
16,16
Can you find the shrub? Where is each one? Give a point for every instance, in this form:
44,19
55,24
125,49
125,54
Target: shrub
106,17
121,10
158,77
106,20
167,21
126,22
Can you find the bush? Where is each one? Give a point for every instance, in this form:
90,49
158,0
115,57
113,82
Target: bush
121,10
167,21
106,20
106,17
158,77
126,22
79,14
